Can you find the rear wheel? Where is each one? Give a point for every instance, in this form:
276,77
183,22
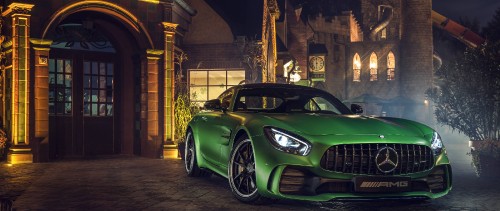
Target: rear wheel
190,162
242,177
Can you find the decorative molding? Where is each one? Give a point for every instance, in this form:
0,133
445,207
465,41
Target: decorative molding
169,27
151,1
41,42
18,8
154,54
43,60
106,7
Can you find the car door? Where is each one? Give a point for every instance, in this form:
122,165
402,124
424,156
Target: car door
213,131
207,136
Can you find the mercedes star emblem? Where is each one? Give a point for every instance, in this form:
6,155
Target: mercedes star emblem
386,159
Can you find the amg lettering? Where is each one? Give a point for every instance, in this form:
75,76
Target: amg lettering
400,184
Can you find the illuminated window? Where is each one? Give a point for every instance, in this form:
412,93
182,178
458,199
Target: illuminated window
373,67
391,65
97,88
207,84
60,84
356,67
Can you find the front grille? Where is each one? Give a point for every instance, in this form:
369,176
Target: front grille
360,159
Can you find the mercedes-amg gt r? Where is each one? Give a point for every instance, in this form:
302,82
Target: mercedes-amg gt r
279,141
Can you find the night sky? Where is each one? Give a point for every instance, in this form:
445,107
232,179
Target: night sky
483,10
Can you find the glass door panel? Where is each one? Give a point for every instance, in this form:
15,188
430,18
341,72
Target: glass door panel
97,89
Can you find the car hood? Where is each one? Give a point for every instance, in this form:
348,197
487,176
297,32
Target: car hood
328,124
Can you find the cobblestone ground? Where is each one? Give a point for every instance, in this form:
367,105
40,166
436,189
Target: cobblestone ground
135,183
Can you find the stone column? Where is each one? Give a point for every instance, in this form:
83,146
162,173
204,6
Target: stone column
19,13
153,142
169,123
41,139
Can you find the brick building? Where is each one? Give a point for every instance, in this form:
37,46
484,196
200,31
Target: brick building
89,77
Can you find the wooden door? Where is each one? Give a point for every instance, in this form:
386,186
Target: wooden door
81,103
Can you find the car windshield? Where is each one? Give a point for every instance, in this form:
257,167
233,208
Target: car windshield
286,100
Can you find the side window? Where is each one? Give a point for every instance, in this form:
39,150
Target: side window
320,104
225,98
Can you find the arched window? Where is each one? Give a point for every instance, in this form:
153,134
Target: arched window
373,67
391,65
356,67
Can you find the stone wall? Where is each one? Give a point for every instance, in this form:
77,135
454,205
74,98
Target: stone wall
416,54
213,56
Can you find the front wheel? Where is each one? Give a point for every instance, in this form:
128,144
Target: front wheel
242,177
190,162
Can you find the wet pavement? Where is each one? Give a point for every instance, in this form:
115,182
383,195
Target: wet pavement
134,183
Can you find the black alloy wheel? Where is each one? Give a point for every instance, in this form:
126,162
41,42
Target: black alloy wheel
242,177
190,162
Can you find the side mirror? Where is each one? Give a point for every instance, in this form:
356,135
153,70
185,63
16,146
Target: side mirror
357,109
212,105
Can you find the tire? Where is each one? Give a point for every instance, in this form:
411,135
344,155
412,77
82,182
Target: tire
241,173
190,162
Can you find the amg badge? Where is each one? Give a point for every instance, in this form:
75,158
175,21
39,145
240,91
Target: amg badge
401,184
382,184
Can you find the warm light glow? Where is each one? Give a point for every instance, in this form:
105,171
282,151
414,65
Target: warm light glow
391,65
169,78
356,62
20,156
20,79
356,67
373,67
373,61
151,1
426,102
391,61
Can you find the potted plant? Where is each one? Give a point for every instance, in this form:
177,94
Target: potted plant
467,99
184,111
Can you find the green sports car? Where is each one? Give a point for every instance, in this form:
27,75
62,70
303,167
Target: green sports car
280,141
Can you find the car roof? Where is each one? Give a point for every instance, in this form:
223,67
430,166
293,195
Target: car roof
274,85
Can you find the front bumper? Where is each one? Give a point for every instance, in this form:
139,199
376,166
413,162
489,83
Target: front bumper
294,182
286,176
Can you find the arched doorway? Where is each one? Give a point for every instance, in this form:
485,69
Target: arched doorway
94,68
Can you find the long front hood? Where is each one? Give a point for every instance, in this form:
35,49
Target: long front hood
326,124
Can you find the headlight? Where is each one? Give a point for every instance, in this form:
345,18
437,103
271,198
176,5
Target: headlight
436,144
285,142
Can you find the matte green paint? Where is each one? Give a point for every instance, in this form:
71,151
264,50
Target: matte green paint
215,132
